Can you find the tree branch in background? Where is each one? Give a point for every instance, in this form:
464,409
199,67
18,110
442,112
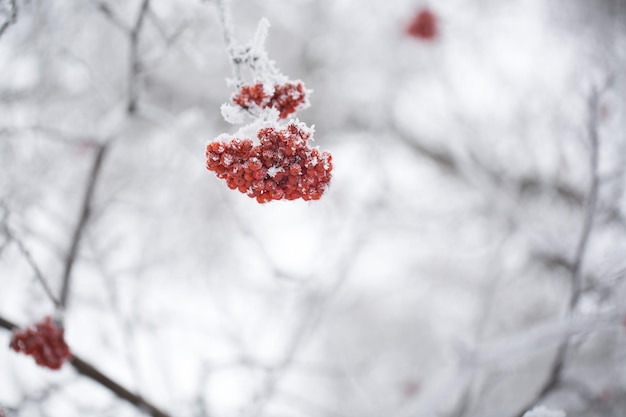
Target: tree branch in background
85,212
523,185
113,18
88,370
132,33
11,18
555,374
135,62
31,262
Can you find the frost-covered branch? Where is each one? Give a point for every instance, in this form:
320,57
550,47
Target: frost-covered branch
228,33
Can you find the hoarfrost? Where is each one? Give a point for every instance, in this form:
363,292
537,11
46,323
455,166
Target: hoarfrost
542,411
233,114
273,170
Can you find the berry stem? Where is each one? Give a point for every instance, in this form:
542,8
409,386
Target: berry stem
228,32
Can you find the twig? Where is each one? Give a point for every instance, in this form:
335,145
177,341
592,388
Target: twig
554,376
88,370
12,18
135,62
523,186
113,18
223,8
31,262
70,259
577,283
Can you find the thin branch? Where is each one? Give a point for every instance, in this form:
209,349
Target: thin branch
85,368
113,18
583,242
88,370
12,18
85,212
523,185
554,376
31,262
135,62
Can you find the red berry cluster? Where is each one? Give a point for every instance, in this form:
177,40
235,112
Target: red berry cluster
423,25
281,167
287,98
45,343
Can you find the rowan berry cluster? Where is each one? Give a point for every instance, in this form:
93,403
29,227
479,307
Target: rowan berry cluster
45,343
283,166
278,164
287,98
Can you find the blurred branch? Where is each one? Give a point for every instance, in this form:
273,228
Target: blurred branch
88,370
554,376
31,262
441,158
85,212
113,18
169,39
51,133
135,62
132,33
12,17
591,199
522,186
589,397
277,373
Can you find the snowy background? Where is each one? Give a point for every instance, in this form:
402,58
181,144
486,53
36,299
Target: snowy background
436,276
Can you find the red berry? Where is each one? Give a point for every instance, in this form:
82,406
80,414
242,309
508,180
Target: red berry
281,167
45,343
287,98
423,25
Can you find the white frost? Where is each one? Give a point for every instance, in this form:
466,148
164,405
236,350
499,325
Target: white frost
233,114
542,411
273,170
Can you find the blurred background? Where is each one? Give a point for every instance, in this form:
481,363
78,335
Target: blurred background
467,260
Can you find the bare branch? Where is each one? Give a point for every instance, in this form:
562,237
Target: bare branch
31,262
592,198
70,259
554,376
113,18
135,62
11,19
88,370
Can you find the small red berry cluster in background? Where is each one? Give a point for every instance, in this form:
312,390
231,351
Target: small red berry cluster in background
45,343
287,98
283,166
423,25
